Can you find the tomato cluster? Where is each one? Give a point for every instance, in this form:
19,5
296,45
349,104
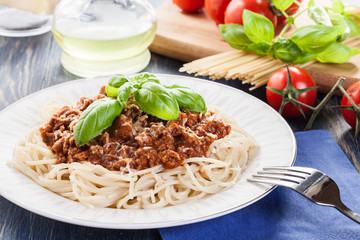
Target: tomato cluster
291,87
230,11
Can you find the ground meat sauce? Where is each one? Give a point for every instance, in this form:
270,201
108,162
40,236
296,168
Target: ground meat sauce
137,139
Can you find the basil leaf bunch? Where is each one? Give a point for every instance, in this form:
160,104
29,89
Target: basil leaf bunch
321,41
152,97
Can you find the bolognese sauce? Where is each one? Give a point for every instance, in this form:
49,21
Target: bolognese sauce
135,138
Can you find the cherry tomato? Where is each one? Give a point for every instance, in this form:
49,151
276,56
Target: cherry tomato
290,11
300,80
354,93
234,11
189,5
216,9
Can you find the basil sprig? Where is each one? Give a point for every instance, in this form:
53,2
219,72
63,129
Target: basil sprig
333,26
152,97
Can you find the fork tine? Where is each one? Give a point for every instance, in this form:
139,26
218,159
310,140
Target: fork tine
285,172
292,169
272,182
278,177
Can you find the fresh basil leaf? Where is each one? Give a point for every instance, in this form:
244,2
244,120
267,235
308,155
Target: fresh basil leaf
261,49
111,91
282,4
154,99
337,53
118,80
338,20
234,34
353,26
338,6
305,57
188,99
124,93
258,28
98,116
285,50
311,4
316,38
139,79
320,15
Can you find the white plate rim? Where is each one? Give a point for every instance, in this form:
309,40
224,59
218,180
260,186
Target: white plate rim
161,224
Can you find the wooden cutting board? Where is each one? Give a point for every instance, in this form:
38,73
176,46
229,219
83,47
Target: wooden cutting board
190,36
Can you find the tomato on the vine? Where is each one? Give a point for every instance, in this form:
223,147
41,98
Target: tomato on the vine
290,11
189,5
300,80
354,93
234,10
216,9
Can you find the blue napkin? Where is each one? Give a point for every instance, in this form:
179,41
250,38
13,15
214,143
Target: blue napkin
285,214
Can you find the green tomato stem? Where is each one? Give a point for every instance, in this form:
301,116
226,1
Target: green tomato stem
293,100
283,31
321,105
284,13
347,95
301,12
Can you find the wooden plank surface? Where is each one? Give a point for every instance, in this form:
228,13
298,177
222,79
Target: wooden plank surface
186,36
190,36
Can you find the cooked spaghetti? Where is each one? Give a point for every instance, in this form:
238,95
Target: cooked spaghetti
133,168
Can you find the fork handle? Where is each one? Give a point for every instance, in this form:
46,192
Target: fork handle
345,210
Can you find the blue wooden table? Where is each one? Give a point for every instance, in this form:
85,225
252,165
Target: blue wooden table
33,63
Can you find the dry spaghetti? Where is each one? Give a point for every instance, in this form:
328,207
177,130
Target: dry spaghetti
245,66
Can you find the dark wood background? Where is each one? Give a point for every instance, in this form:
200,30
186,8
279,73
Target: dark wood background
33,63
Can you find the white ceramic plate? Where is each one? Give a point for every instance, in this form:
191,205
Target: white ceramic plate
274,136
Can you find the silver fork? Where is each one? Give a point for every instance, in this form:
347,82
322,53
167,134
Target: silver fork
311,183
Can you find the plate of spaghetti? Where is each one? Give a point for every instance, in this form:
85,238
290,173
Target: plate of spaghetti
145,151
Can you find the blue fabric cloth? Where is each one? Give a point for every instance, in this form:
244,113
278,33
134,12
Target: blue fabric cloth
285,214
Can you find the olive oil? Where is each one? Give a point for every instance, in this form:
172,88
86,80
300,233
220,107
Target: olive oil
106,38
89,55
